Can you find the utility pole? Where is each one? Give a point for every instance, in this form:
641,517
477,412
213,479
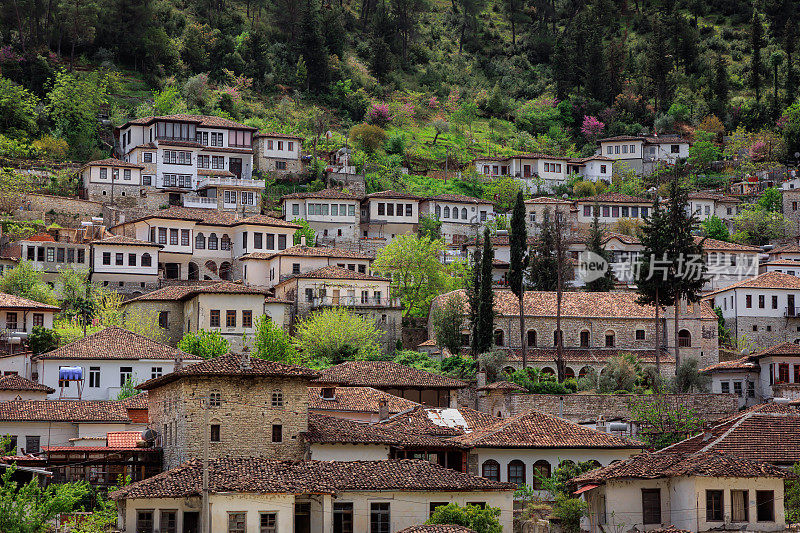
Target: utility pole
206,514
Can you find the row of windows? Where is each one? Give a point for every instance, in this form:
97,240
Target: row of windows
715,506
625,148
119,259
748,301
230,318
552,167
173,233
438,211
32,444
336,210
779,373
323,293
125,374
216,162
178,180
126,174
615,211
275,401
725,388
12,320
271,144
684,338
388,209
58,255
246,197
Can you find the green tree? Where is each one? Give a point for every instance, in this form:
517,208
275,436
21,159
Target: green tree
606,282
430,227
518,241
791,497
15,187
754,225
472,516
662,421
25,281
334,335
543,263
42,340
771,200
715,228
367,137
503,191
127,390
791,128
704,152
305,231
17,109
416,271
312,47
484,332
621,374
756,44
73,105
204,344
448,319
30,507
273,343
77,298
688,377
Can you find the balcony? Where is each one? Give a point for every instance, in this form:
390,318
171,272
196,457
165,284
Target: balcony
212,181
792,312
199,201
353,301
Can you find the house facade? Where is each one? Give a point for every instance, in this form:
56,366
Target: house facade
277,153
125,264
612,207
106,180
461,216
387,214
704,205
333,215
268,269
541,173
644,154
18,317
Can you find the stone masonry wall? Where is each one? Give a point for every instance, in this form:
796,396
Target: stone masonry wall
245,417
770,330
176,320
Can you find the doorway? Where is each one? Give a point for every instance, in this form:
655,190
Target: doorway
235,166
302,517
190,522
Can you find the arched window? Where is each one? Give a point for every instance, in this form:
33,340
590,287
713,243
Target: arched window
712,258
610,339
212,267
194,271
146,260
566,462
531,337
213,242
498,337
464,213
225,270
277,398
446,212
684,338
558,336
569,373
200,241
516,472
508,370
547,371
584,371
585,338
541,469
491,470
438,211
225,243
215,398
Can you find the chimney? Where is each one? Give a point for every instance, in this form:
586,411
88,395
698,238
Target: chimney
178,363
244,364
481,375
302,240
601,423
383,409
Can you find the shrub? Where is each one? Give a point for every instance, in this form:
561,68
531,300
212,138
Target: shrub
379,114
367,137
52,147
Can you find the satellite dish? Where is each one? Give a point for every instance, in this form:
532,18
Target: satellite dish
149,435
797,155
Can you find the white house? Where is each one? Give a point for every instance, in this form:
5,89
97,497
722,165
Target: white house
15,387
268,269
275,496
705,204
783,266
612,206
107,360
461,216
541,173
695,492
728,262
125,264
386,214
643,154
333,214
109,179
18,317
278,153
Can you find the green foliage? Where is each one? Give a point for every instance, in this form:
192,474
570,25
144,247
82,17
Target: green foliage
204,344
714,228
306,231
430,227
419,360
606,282
621,374
492,363
29,508
458,366
448,319
723,333
537,382
688,378
15,187
791,499
502,190
480,520
569,512
771,200
663,422
367,137
73,105
703,153
273,343
757,226
42,340
480,297
17,109
334,335
127,390
25,281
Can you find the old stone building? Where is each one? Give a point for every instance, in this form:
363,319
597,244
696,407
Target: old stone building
256,408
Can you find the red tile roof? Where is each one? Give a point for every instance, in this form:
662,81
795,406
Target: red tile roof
502,385
278,135
614,198
264,476
202,120
533,429
211,217
394,194
40,237
116,343
715,245
357,399
334,272
18,383
324,429
123,439
786,249
767,280
12,301
386,374
63,411
548,200
111,162
330,194
183,292
122,240
309,251
230,365
137,401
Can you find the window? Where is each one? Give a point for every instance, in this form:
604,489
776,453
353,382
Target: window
94,377
106,258
281,242
725,387
602,169
103,173
516,472
163,319
214,398
146,260
215,433
390,210
119,259
213,242
674,149
491,470
379,518
184,237
147,180
60,255
541,469
277,433
609,339
156,372
606,211
761,301
751,389
280,165
258,240
277,398
32,443
713,506
247,319
268,523
765,506
432,506
162,235
237,522
739,506
381,208
748,301
684,339
225,242
11,321
125,373
38,319
144,522
774,302
584,339
651,506
214,318
132,260
230,318
498,337
200,241
587,210
639,334
531,337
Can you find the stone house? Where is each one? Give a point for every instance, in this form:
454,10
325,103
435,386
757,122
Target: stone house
109,179
762,309
229,308
334,215
791,206
334,286
461,216
277,153
541,173
694,492
306,496
49,255
536,208
235,394
386,214
268,269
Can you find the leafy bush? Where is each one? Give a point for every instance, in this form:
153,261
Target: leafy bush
204,343
570,511
480,520
396,144
367,137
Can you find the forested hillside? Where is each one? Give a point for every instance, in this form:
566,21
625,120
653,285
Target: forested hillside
444,78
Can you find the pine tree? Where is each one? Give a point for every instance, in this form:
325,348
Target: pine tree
312,47
720,84
518,242
653,285
605,283
756,43
789,48
543,265
485,317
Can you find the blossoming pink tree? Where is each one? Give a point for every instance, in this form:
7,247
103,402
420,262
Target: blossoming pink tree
591,127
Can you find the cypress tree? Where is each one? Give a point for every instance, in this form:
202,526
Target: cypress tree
474,298
605,283
486,306
789,48
518,242
543,264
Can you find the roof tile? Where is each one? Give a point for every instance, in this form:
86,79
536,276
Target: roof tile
116,343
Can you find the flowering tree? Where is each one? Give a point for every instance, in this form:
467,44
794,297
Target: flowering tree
591,127
379,114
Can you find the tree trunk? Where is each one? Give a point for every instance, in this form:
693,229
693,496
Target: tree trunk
524,343
677,343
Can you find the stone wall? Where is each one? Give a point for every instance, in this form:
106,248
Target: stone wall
245,417
415,331
66,211
771,330
791,207
176,320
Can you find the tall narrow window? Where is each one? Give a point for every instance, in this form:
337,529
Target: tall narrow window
379,518
651,506
714,504
516,472
342,517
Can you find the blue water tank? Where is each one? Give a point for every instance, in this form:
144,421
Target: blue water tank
70,373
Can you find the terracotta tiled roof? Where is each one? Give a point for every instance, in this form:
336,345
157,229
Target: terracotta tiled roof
357,399
786,249
745,364
502,385
40,237
706,195
137,401
330,194
437,528
548,200
230,365
63,411
667,465
625,239
714,245
111,162
533,429
767,280
787,348
590,158
335,272
665,138
622,138
324,429
202,120
18,383
11,301
183,292
211,217
439,422
258,475
460,198
122,240
123,439
309,251
278,135
394,194
116,343
386,374
783,263
614,198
